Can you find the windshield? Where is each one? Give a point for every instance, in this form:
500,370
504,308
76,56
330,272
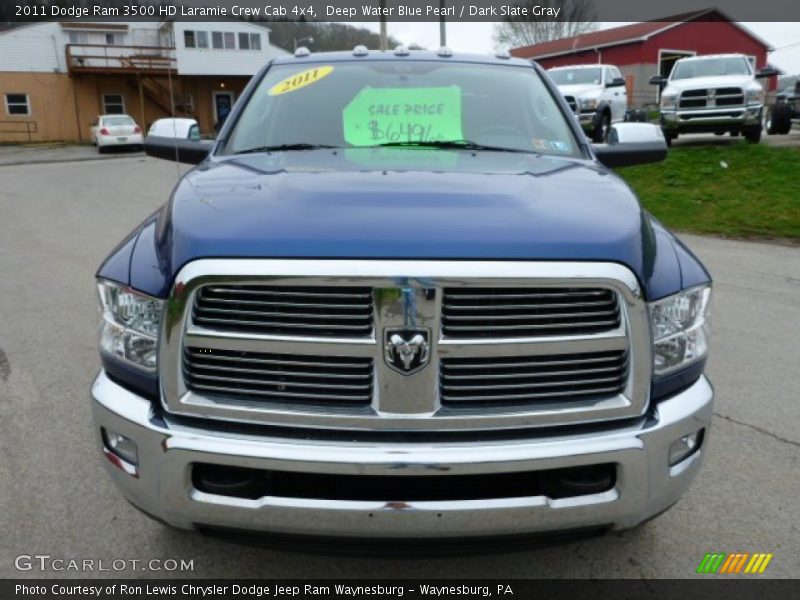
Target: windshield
388,102
593,76
116,121
711,67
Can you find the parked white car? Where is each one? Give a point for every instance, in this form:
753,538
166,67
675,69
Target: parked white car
181,128
715,93
595,93
116,130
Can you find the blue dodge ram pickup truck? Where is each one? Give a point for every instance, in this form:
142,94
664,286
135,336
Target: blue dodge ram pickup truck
402,297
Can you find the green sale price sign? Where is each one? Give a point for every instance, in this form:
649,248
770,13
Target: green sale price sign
385,115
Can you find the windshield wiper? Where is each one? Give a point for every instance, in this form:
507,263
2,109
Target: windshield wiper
450,144
285,147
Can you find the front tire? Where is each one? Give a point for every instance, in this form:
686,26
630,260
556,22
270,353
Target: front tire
602,126
753,136
780,120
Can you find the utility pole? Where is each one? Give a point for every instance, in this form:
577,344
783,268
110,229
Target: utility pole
442,33
384,37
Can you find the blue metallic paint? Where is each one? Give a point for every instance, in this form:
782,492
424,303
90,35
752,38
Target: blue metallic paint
473,205
408,203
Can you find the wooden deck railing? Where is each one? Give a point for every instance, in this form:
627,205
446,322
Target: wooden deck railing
98,58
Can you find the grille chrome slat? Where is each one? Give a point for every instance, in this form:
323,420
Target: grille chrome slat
452,293
210,300
287,315
267,291
493,382
464,328
278,383
452,377
515,312
522,306
238,391
286,310
522,364
277,361
507,398
266,372
515,317
519,386
313,379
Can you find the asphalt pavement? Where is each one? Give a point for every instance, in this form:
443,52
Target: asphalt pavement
59,220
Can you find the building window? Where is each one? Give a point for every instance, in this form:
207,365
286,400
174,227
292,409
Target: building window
249,41
188,39
113,104
230,41
216,40
112,39
202,39
17,104
78,37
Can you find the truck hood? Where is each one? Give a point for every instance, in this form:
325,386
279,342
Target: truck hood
579,90
429,204
678,85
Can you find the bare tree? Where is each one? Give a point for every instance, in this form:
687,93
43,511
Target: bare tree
574,18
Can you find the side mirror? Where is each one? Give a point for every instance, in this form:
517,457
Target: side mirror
767,72
659,80
632,144
192,152
616,82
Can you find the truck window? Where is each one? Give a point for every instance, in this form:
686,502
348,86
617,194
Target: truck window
372,103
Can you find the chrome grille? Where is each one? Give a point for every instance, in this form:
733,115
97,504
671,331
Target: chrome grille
540,312
572,103
304,311
523,312
295,379
710,98
513,380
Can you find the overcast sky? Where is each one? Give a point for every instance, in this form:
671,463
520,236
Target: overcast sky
477,37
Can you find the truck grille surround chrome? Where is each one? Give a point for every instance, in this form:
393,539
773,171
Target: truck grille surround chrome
405,345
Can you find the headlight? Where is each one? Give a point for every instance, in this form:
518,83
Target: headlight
130,324
681,329
587,103
755,96
669,101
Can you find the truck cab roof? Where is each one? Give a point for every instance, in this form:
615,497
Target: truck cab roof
362,54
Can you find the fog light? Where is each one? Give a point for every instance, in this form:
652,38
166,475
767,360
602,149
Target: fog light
684,447
120,447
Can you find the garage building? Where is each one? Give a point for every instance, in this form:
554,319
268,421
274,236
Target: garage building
644,49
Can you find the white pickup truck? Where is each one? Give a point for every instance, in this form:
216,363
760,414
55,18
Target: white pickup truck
716,93
595,93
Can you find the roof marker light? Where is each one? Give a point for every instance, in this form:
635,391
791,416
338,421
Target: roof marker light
401,50
360,50
504,54
445,51
301,52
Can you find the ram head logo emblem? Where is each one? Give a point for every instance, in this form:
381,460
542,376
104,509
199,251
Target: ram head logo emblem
406,350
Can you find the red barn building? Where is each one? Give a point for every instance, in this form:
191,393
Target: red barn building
643,49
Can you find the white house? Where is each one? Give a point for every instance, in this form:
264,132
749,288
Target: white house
55,77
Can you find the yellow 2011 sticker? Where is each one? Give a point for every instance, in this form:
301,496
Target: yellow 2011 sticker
300,80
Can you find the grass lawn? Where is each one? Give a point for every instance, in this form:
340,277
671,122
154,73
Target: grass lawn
756,196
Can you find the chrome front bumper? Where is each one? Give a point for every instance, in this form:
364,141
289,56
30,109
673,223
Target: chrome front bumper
702,120
161,483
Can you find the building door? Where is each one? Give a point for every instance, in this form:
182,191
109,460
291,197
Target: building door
667,58
223,103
